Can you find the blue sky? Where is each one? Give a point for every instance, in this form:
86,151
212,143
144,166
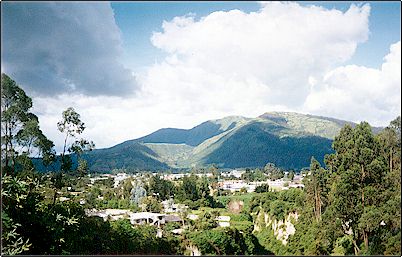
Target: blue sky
138,20
130,68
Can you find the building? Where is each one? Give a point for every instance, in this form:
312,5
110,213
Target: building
120,177
172,177
112,214
223,221
234,173
140,218
236,185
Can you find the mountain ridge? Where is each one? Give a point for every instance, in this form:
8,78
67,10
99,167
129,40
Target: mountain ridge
287,139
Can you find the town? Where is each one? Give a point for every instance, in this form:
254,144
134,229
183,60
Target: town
230,183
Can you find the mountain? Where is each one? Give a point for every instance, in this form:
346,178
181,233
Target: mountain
287,139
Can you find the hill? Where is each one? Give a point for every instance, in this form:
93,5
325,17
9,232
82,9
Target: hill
287,139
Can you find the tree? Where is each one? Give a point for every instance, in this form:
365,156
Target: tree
189,189
316,187
291,175
72,126
138,193
21,135
151,204
163,189
273,172
359,170
262,188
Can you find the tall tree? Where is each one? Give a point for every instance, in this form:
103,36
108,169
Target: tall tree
21,134
360,168
72,126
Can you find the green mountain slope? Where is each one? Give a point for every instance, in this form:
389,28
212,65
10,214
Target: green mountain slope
126,155
130,155
254,146
287,139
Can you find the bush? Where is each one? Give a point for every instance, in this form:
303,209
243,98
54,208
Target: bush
262,188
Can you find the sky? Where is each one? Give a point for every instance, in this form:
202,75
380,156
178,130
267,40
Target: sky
130,68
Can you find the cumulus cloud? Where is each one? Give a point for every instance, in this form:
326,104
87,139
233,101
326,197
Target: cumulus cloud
272,52
53,48
358,93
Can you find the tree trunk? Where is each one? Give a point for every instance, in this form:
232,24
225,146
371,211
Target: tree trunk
356,248
365,238
362,183
6,141
390,159
64,151
54,196
12,152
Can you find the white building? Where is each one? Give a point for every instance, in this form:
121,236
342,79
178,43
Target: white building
235,173
140,218
120,177
113,214
223,221
236,185
172,177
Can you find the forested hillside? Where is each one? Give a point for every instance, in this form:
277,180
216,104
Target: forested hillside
286,139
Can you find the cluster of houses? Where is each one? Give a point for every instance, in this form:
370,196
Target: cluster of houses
237,185
173,211
150,218
136,218
117,178
226,182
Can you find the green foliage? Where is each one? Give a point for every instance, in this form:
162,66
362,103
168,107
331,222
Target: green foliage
151,204
268,240
72,126
228,241
161,188
291,175
253,175
353,205
20,129
15,192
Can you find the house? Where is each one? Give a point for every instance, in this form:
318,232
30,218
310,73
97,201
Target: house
296,185
236,173
172,177
140,218
62,198
192,216
172,218
200,175
113,214
236,185
223,221
119,177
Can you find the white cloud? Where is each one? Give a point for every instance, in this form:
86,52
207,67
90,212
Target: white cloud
358,93
262,58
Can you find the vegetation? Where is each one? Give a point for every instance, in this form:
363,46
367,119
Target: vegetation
350,204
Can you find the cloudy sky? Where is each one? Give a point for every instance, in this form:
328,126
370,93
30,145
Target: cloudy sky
132,68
